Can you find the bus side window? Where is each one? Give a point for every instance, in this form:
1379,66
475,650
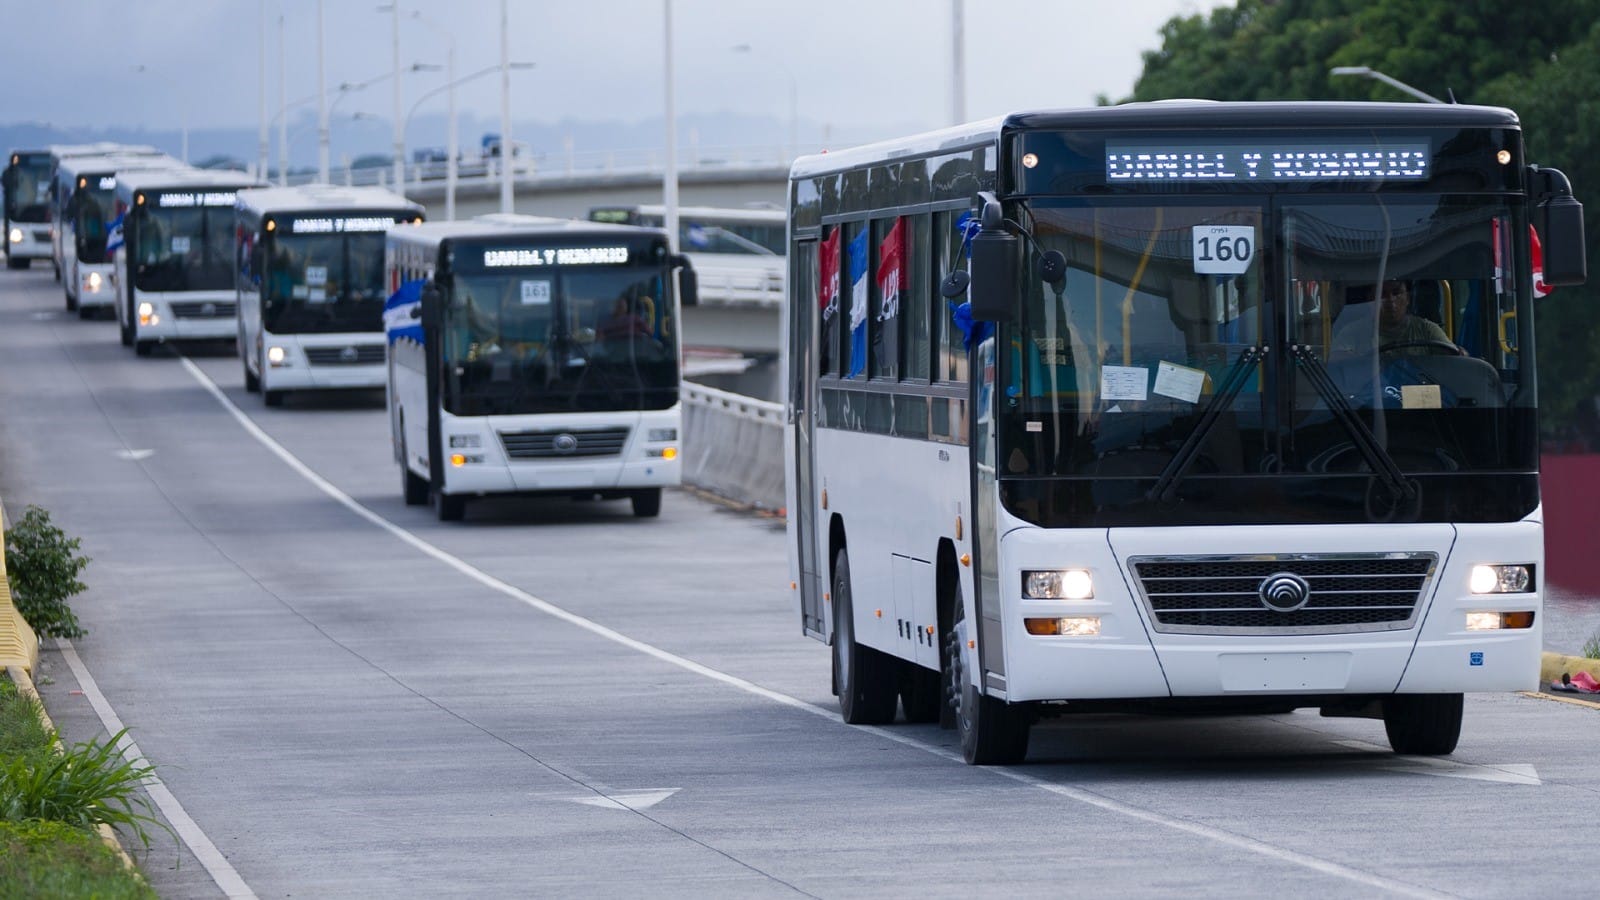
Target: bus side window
951,362
829,287
917,319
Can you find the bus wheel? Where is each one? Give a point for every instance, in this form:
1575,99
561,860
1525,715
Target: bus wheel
252,384
451,507
1423,724
993,732
921,693
647,503
143,348
57,268
72,302
272,398
86,313
127,331
412,486
868,682
12,263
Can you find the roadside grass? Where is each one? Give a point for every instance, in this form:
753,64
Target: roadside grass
1591,647
51,802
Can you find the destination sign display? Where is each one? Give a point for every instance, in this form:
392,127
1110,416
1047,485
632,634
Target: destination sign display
191,199
554,256
341,225
1279,160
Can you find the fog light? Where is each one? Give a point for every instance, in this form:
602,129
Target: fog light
1500,579
657,435
1069,626
1494,621
16,235
1483,621
465,440
276,355
1057,584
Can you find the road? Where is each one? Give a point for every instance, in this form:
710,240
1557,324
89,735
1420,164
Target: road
349,698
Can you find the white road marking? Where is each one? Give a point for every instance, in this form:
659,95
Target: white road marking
1504,773
210,857
1080,795
135,455
631,800
42,316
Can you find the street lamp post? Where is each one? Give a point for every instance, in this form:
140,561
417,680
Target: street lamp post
669,177
507,148
183,107
1397,84
451,165
347,88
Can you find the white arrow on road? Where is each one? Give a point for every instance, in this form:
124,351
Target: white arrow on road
1506,773
135,455
626,800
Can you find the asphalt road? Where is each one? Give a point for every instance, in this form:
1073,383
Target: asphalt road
353,699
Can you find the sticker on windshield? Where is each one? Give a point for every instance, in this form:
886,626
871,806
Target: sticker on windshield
1223,249
180,244
316,295
1179,382
1124,382
316,275
535,293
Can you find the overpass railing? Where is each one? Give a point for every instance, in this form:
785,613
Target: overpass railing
733,446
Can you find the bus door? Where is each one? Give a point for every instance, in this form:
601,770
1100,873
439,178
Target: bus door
802,392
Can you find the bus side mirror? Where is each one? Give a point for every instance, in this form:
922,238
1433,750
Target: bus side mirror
996,260
688,281
431,299
1565,253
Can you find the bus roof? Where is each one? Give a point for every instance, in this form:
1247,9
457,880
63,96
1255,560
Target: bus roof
181,179
1197,116
322,197
102,148
509,225
69,169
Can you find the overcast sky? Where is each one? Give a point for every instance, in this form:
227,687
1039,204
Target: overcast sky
851,62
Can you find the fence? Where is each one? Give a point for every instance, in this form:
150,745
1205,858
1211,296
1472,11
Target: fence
733,446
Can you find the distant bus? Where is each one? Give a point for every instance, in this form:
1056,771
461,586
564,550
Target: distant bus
60,153
534,356
311,286
27,208
175,262
85,208
704,229
1237,413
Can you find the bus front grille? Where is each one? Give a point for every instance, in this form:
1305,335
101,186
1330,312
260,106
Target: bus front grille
558,443
1328,593
203,309
353,355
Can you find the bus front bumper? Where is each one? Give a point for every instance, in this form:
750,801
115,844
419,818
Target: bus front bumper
193,316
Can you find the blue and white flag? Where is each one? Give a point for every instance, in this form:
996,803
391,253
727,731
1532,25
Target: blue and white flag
398,322
858,305
114,234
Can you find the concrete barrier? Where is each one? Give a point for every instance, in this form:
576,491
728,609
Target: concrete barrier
733,446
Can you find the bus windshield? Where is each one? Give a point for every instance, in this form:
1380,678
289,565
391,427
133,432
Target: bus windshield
28,189
93,214
183,249
560,339
324,283
1397,312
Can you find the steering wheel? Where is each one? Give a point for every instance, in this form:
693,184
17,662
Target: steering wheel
1439,346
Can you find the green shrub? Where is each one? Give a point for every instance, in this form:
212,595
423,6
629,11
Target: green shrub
21,728
88,785
43,565
51,859
1591,647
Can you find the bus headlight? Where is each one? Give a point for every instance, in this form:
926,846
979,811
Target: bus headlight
147,314
465,440
658,435
276,356
1494,621
1500,579
92,282
16,235
1057,584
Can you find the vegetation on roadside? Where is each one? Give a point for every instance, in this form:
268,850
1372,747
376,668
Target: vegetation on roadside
1591,647
21,728
43,566
53,859
86,785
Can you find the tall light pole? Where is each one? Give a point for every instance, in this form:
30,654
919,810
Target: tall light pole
669,178
283,110
507,148
183,107
451,169
322,105
958,64
346,88
261,140
399,133
1397,84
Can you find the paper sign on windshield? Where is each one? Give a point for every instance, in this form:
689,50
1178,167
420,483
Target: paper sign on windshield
1124,382
1179,382
535,293
1223,249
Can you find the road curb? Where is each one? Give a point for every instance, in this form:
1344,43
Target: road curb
24,683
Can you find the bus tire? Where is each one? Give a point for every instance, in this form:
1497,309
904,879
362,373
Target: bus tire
86,313
412,486
921,693
58,270
272,398
647,503
993,732
17,263
143,348
450,507
868,682
252,384
126,328
1423,724
72,302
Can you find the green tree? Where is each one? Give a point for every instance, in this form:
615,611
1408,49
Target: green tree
43,566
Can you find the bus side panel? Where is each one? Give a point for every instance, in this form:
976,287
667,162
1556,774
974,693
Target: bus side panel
898,498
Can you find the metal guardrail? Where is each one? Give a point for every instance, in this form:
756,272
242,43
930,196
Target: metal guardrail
733,446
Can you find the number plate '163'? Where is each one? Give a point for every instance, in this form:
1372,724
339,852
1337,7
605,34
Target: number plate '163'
1223,249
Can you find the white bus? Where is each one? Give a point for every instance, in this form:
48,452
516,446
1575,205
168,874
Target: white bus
1247,422
534,356
60,153
85,197
174,262
27,207
311,286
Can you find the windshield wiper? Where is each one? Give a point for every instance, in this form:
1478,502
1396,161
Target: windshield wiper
1378,459
1232,383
